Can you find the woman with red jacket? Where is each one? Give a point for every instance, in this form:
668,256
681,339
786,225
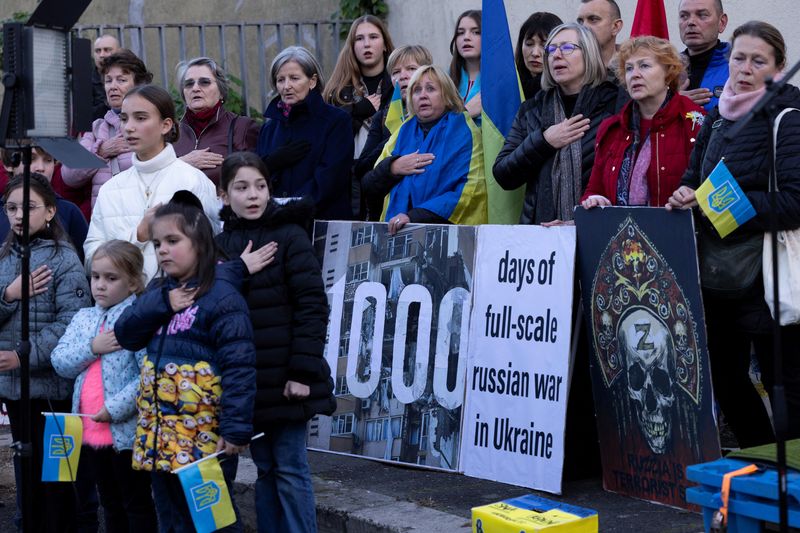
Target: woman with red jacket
642,152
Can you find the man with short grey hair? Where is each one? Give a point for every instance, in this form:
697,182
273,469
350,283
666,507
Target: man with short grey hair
700,23
104,46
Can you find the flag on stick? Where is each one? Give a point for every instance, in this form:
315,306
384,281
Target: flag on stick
63,436
501,96
650,19
207,494
723,200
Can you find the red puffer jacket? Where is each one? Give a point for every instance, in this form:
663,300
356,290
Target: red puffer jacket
672,137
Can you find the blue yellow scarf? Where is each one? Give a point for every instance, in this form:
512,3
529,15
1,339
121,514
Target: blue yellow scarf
453,186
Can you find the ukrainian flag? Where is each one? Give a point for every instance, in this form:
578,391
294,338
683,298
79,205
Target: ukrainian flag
63,436
207,494
394,114
501,96
723,201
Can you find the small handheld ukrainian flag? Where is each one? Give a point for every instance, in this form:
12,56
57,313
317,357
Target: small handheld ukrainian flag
207,494
723,201
63,435
394,114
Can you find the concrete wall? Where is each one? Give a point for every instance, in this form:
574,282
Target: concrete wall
433,25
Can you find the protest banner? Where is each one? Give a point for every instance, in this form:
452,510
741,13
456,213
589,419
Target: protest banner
397,340
650,373
518,365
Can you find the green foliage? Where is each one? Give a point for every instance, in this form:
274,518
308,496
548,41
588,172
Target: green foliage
233,102
18,16
352,9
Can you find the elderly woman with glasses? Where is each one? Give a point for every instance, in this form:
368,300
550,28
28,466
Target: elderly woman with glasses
209,132
550,148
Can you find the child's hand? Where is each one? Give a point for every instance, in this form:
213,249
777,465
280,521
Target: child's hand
102,415
257,260
40,277
8,361
296,391
105,342
180,298
143,229
228,447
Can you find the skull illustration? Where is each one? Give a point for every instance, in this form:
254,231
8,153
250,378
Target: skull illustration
681,339
647,344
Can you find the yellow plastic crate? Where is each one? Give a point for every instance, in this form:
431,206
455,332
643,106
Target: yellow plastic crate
531,513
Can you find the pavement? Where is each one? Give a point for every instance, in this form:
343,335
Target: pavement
362,496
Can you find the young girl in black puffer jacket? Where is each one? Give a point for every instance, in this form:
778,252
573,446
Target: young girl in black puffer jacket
289,312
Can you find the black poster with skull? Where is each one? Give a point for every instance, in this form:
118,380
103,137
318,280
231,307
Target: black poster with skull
651,379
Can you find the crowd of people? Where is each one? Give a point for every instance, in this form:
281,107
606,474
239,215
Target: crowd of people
176,296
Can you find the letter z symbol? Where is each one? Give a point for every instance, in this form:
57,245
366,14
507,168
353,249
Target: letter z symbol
644,329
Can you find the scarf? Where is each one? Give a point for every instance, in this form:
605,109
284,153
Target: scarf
199,120
284,108
632,186
567,173
734,106
453,186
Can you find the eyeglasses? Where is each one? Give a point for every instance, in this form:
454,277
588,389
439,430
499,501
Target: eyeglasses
202,82
566,48
11,209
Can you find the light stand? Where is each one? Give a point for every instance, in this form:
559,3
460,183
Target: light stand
765,109
47,80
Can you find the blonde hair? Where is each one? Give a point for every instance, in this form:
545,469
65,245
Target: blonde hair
663,51
452,100
414,52
595,71
126,258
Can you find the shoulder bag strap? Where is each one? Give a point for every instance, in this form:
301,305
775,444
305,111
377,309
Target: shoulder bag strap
773,176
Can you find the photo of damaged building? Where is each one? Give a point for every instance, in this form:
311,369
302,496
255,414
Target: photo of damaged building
397,340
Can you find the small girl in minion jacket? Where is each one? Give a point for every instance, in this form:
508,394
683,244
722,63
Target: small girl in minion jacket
197,383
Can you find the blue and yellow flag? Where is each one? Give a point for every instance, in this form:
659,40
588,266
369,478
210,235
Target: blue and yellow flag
723,201
63,436
207,495
394,114
501,96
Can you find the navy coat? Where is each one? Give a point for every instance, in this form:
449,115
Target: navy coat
324,173
197,375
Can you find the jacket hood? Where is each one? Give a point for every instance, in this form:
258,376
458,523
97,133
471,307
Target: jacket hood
278,212
676,109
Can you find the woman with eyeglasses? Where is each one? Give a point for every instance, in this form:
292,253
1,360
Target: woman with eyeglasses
550,148
208,131
643,151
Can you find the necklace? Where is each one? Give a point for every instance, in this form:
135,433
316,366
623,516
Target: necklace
147,186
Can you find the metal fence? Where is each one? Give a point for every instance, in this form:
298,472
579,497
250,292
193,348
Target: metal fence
244,49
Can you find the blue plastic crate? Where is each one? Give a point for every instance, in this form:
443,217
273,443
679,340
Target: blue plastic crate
753,498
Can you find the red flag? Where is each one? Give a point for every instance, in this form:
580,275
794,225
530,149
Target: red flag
650,19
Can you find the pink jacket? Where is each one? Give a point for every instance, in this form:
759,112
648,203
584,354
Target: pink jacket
103,129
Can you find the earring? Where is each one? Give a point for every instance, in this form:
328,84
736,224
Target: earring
48,224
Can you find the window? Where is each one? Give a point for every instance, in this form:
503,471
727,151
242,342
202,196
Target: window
358,272
377,429
362,236
341,386
397,426
342,424
399,246
344,346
